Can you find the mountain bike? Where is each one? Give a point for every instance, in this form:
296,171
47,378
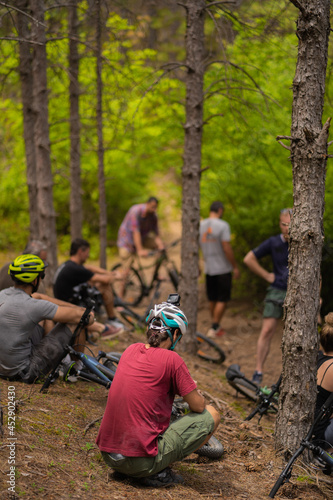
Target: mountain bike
267,398
312,445
100,369
135,285
207,348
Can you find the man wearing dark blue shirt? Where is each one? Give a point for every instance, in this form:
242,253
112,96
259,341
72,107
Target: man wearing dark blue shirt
277,248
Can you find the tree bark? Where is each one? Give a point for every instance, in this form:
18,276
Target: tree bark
309,157
25,68
195,15
99,118
76,216
46,214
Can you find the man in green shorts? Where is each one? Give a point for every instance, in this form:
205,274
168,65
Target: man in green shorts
136,437
277,248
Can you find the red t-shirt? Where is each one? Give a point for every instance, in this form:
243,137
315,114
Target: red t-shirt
140,400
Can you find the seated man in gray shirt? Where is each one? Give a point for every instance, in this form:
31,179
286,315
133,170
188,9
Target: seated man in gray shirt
34,328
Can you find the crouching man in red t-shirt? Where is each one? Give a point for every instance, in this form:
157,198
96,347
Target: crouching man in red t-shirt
135,437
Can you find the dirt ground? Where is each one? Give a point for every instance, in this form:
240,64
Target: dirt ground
54,450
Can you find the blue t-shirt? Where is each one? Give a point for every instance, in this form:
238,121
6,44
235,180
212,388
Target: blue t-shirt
277,248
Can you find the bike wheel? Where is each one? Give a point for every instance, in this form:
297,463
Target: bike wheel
213,449
111,360
209,350
132,289
131,317
244,387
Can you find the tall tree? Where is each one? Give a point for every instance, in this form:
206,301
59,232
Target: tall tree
76,217
194,41
46,213
25,69
308,149
100,152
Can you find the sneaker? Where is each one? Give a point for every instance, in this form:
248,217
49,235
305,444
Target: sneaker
111,331
115,322
220,332
164,478
257,377
212,332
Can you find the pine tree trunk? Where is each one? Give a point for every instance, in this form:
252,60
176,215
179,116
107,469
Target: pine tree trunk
28,113
192,165
76,216
46,214
309,157
99,117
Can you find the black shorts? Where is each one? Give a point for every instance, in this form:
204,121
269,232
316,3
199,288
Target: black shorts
218,287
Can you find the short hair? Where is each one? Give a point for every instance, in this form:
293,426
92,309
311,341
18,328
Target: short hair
216,206
152,198
77,244
35,247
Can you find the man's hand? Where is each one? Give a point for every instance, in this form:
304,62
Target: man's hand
143,252
236,273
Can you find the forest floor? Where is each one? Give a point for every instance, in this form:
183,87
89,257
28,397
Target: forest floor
56,456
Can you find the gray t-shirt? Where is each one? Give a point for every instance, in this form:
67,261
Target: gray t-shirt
212,233
19,315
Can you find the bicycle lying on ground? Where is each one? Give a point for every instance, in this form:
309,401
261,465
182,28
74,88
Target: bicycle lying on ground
207,348
135,285
309,443
267,398
100,369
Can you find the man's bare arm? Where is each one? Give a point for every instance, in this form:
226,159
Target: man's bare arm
196,401
228,251
253,264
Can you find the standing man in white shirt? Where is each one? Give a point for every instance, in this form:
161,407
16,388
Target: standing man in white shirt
220,264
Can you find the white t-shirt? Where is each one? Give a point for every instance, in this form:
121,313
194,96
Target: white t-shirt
212,232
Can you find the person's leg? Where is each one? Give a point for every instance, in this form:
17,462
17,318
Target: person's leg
264,341
219,294
219,311
182,437
46,353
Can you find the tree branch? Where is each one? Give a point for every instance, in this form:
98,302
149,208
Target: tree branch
284,146
298,5
284,137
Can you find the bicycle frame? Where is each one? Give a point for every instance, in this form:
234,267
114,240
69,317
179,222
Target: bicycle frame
266,401
162,257
307,443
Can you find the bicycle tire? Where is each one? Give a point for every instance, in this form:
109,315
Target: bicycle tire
212,449
245,388
111,360
133,290
209,350
132,318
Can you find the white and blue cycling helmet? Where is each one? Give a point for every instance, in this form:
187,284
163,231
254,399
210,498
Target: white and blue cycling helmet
167,317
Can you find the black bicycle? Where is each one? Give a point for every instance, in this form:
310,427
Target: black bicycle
135,285
207,348
312,445
267,398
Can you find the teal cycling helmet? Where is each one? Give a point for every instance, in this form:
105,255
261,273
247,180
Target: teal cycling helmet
170,317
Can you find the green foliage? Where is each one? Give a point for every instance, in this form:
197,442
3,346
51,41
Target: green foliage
248,104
